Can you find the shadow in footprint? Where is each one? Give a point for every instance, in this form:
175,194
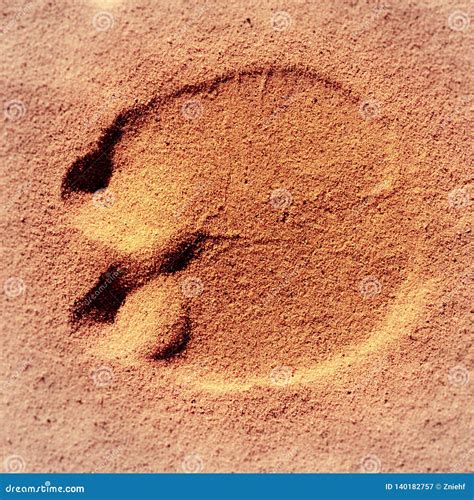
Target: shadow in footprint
299,264
93,171
102,302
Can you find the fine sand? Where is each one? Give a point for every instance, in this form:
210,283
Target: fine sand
237,236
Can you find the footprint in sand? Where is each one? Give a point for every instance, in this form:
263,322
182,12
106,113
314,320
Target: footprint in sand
252,222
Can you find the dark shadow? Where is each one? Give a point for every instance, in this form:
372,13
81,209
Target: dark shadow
94,170
182,335
103,301
179,256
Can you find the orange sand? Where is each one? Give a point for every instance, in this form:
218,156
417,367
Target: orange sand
242,248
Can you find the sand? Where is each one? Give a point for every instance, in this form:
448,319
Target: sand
237,237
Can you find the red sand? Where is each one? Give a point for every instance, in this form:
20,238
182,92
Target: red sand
237,238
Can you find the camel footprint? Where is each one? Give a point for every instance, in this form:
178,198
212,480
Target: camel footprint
240,221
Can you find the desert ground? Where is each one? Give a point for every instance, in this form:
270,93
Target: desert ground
237,236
